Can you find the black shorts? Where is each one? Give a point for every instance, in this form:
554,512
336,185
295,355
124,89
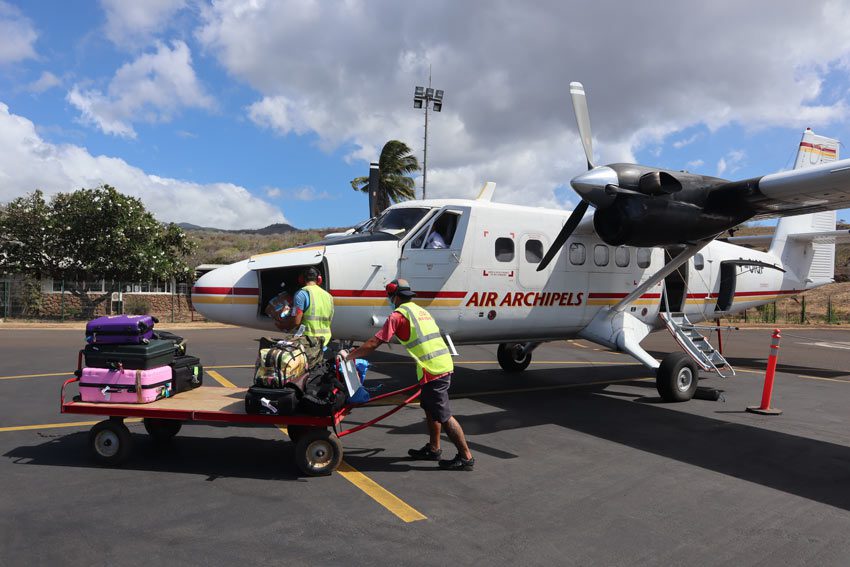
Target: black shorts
435,398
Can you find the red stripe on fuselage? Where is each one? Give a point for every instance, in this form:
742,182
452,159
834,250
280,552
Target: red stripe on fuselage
226,290
382,293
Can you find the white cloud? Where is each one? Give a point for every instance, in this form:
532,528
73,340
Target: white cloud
18,35
721,166
27,163
152,88
679,144
346,71
130,22
306,193
45,82
695,164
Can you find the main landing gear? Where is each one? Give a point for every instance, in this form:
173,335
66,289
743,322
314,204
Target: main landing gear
515,357
676,379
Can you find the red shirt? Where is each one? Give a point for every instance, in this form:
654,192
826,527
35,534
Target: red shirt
398,325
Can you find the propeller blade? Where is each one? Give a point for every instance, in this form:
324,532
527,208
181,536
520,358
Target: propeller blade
583,120
565,233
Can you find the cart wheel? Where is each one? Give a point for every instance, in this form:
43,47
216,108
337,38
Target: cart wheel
110,442
162,430
318,452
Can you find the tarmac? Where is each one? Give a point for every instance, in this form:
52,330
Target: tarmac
577,462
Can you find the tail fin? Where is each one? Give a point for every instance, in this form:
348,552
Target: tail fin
812,262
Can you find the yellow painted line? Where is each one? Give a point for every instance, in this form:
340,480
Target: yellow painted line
375,491
55,425
578,344
221,379
379,494
232,366
226,299
35,376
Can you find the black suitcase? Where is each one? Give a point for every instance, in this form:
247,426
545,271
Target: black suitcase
187,372
272,401
178,341
132,357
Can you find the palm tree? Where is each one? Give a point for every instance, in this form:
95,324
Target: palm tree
396,163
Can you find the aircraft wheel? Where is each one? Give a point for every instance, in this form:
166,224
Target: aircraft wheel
510,358
110,442
162,430
677,377
318,452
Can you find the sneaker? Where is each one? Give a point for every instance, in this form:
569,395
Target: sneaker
426,453
457,464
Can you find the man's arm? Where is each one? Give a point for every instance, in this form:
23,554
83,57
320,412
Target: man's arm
291,322
365,349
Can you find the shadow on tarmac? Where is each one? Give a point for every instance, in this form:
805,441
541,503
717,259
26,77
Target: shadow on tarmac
761,363
210,457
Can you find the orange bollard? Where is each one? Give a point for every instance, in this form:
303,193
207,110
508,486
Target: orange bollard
767,393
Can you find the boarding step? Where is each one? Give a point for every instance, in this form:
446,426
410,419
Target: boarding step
695,344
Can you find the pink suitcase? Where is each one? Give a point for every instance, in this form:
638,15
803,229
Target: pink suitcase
125,386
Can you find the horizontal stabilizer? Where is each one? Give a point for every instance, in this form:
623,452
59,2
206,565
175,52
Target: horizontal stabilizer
764,240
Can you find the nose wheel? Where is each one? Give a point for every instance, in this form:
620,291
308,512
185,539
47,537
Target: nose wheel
513,357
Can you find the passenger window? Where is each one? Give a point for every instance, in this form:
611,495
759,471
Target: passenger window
600,255
533,251
578,253
504,249
644,257
622,256
699,262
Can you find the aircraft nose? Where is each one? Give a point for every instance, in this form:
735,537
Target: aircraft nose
591,186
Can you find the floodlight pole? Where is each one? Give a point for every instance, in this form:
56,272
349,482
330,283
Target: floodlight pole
423,97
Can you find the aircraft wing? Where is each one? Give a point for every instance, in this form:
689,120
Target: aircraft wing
822,187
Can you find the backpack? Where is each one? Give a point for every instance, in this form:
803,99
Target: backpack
324,394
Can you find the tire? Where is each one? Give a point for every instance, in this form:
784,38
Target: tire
295,432
508,359
318,452
677,378
110,442
162,430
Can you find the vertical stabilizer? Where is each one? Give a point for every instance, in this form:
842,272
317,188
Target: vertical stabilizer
812,262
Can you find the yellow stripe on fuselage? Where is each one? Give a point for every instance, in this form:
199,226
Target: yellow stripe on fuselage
226,299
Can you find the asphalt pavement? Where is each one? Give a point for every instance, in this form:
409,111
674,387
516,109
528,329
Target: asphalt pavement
577,463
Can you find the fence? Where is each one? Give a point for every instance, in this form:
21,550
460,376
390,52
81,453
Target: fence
26,298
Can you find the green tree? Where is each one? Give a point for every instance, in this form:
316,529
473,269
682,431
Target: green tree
396,164
89,235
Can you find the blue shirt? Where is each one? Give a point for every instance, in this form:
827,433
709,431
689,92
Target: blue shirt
301,300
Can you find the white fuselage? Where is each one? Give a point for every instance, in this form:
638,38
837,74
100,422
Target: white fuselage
485,287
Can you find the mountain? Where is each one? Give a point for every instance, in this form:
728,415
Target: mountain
278,228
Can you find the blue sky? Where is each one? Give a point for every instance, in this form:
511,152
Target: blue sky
242,113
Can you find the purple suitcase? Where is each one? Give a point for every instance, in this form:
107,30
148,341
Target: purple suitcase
120,330
125,386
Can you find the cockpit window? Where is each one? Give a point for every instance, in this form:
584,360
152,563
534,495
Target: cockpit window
398,221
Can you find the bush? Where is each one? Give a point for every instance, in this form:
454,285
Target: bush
136,306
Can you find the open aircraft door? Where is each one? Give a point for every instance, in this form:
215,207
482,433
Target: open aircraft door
431,257
279,271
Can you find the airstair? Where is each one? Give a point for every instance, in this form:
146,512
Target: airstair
695,344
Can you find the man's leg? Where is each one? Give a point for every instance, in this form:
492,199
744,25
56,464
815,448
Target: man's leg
455,433
434,429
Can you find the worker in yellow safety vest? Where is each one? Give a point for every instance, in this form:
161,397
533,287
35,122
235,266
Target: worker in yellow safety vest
312,306
414,328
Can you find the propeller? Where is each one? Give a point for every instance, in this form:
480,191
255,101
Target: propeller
591,181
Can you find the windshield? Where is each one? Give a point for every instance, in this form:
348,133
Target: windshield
364,226
399,221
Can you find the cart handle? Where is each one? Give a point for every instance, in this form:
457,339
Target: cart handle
62,393
385,415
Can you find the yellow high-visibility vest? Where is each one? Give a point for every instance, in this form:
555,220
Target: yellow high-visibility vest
317,318
425,344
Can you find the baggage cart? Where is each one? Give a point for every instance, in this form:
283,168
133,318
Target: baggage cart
318,450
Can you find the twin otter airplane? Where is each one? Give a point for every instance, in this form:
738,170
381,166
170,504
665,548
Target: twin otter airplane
648,258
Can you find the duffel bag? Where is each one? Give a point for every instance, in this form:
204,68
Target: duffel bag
272,401
281,365
312,346
324,394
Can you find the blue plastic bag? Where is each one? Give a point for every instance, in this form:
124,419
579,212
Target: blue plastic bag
361,395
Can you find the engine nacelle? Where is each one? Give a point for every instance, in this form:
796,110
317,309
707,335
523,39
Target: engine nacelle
657,221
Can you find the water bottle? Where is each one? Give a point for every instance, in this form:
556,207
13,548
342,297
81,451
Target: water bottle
300,331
